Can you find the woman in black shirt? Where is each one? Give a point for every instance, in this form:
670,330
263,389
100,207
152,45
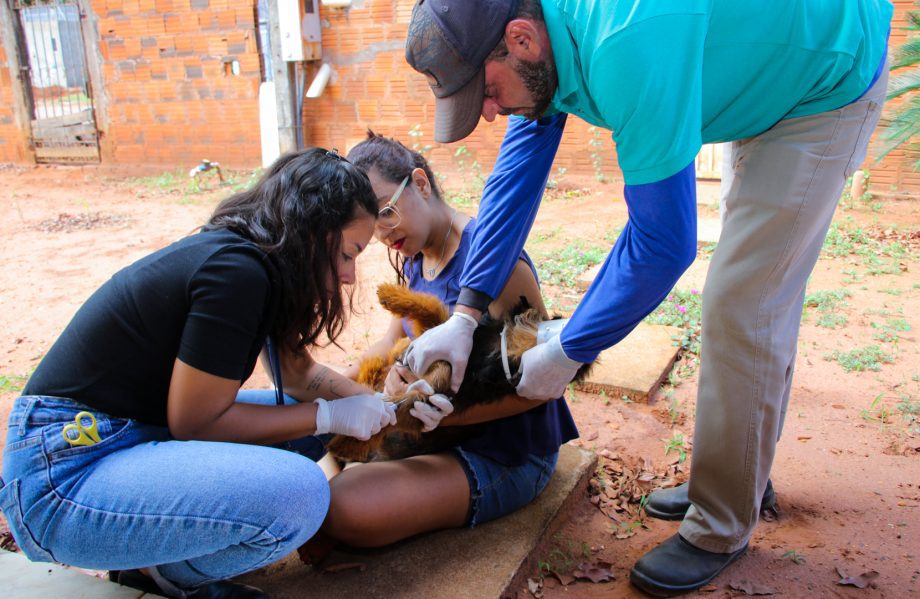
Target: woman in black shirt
129,449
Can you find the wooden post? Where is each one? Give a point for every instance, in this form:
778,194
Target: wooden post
283,76
22,117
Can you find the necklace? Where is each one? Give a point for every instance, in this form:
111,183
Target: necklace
431,271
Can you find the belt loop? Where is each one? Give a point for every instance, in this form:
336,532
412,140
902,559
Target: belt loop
26,412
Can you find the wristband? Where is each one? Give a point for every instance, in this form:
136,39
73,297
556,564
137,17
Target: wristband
322,417
466,317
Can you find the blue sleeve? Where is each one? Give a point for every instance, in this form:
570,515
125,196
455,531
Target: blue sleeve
510,201
654,249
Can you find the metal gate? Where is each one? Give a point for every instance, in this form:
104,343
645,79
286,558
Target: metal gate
56,79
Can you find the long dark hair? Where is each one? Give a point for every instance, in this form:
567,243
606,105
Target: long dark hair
394,162
296,213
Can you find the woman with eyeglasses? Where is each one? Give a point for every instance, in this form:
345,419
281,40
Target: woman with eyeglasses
510,462
133,448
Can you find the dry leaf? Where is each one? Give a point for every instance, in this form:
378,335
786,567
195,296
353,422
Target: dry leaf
564,579
751,588
597,572
860,582
709,588
535,588
332,568
591,436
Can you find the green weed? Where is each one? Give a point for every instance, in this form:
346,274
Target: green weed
860,359
681,309
564,555
828,304
795,557
876,411
562,267
676,443
12,383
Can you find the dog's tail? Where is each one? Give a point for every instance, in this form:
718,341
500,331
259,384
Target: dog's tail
423,310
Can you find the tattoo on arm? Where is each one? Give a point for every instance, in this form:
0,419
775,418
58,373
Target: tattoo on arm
318,379
336,388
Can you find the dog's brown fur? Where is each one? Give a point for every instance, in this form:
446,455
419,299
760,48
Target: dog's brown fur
485,381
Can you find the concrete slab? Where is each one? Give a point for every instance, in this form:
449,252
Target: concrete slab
24,579
454,564
637,365
695,276
708,230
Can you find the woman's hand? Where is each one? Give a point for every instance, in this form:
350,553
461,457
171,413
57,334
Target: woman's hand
398,380
358,416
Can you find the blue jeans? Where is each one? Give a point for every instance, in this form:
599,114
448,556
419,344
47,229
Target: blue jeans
199,511
497,489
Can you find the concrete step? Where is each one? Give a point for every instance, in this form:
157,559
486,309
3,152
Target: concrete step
485,561
23,579
636,366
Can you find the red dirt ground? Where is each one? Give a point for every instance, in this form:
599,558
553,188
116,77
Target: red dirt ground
847,471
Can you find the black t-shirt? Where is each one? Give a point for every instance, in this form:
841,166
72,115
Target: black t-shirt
208,299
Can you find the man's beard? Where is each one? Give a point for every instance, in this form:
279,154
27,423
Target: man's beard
540,79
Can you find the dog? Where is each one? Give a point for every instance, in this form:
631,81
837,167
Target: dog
490,375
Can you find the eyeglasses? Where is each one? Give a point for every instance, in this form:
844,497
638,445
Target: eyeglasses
389,217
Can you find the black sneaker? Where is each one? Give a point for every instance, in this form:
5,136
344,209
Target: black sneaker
222,589
673,503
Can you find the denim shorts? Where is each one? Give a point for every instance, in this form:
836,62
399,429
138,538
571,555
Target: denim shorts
496,489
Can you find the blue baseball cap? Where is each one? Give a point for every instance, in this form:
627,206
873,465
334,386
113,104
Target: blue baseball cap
448,42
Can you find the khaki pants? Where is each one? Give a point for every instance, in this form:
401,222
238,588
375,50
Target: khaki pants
778,201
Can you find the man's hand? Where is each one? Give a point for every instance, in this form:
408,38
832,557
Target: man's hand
358,416
546,371
451,341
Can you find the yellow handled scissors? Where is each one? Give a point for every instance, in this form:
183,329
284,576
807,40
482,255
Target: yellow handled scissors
83,431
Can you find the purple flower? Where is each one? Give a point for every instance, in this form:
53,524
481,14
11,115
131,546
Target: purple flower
693,291
682,309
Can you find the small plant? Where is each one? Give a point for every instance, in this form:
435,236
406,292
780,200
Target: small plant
910,411
553,183
415,133
12,383
676,443
860,359
597,154
888,332
876,411
562,267
682,309
828,304
795,557
564,555
570,395
673,408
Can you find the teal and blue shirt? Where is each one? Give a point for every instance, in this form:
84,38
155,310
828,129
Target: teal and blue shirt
665,77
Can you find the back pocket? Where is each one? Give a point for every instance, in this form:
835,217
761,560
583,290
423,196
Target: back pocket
12,509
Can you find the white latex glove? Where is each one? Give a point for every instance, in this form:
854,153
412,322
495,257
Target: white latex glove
451,341
546,371
358,416
431,414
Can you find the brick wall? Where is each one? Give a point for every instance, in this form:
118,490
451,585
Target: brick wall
170,94
12,145
372,86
